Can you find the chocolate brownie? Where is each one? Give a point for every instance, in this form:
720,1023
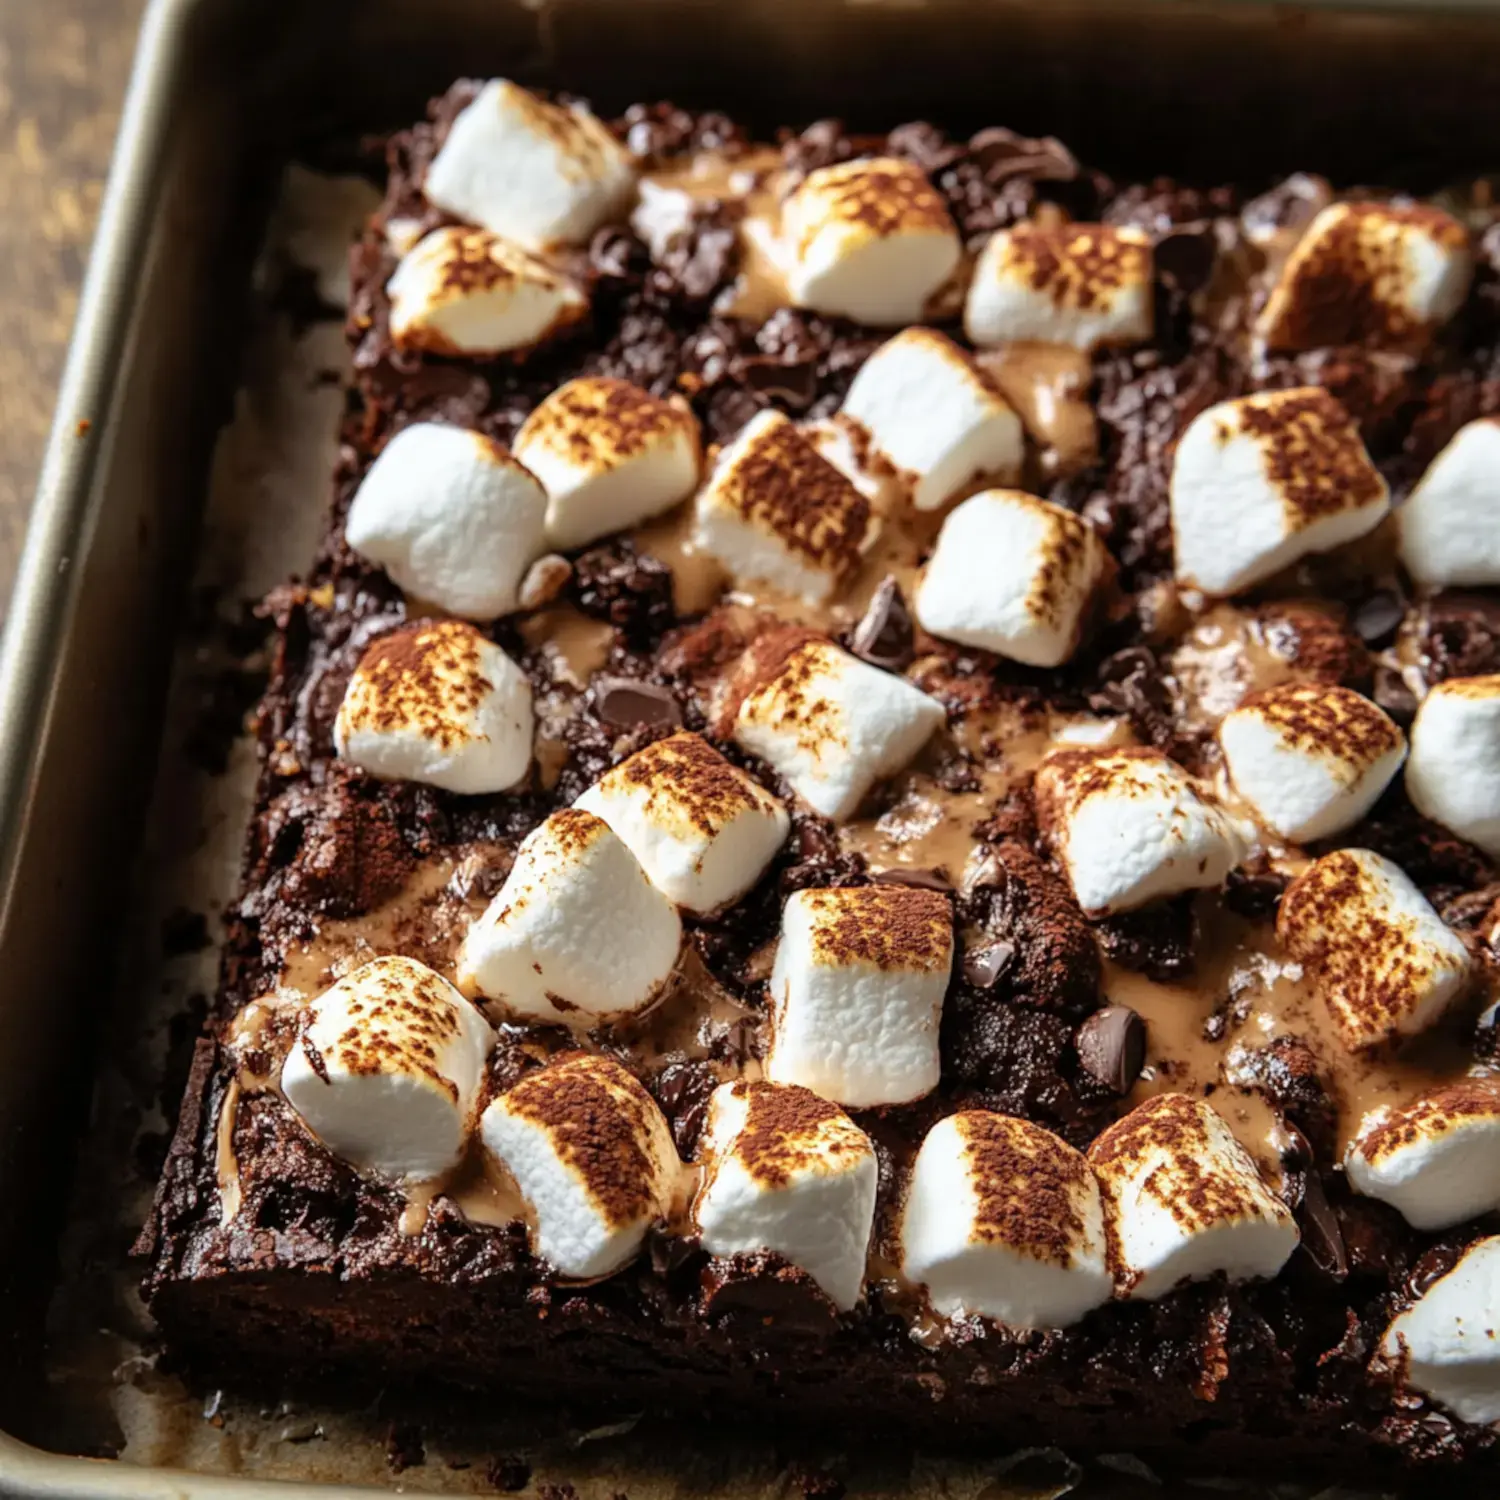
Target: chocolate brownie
832,841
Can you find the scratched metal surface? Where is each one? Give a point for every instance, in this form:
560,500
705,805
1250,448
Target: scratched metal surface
62,74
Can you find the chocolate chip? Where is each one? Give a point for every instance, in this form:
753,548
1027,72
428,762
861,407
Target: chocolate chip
984,967
1322,1238
794,383
1393,695
1185,255
1378,618
925,880
925,146
627,701
884,635
1112,1047
1003,155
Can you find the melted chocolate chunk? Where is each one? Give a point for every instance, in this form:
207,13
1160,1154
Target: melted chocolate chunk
628,701
1112,1047
885,636
1185,256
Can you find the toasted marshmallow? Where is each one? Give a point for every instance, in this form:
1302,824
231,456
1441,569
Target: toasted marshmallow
1368,273
538,173
1447,1343
789,1172
869,240
1183,1200
702,829
1377,953
592,1156
1453,774
387,1068
452,517
834,725
1003,1219
776,511
1310,759
1014,575
1437,1159
577,932
609,455
1084,285
1130,827
1448,532
935,416
1262,481
466,291
856,992
437,702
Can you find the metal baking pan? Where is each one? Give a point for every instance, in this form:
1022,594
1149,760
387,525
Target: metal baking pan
223,93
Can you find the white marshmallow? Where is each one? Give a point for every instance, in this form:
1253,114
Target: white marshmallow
1183,1200
1310,759
702,829
452,517
792,1173
577,932
1447,1343
1453,773
857,990
846,445
1004,1219
834,725
869,240
776,511
934,415
466,291
1376,952
1450,524
1260,482
592,1156
1368,273
1437,1159
437,702
538,173
387,1068
1084,285
609,455
1130,827
1014,575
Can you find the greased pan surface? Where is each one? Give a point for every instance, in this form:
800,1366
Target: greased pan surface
224,90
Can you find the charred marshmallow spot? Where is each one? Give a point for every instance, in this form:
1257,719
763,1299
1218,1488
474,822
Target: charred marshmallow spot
576,933
386,1070
1083,285
702,829
1450,524
592,1156
1377,953
1260,482
1183,1200
609,456
1003,1219
466,291
1130,826
869,240
452,517
537,173
776,511
1310,759
833,725
857,991
1453,773
1369,273
1447,1343
934,416
1014,575
1437,1159
437,702
788,1172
